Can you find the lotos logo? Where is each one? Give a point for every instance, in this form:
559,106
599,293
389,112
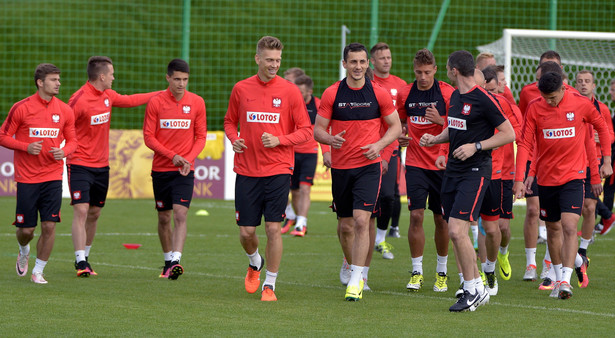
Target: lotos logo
558,133
263,117
174,124
456,123
419,120
100,119
186,109
276,102
44,132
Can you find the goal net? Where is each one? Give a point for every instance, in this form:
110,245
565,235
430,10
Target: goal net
520,49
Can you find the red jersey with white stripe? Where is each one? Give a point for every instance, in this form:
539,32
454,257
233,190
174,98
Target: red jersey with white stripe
92,109
311,146
559,134
34,119
174,127
276,107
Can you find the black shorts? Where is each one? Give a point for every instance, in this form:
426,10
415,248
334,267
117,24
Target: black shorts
305,167
507,199
88,185
534,186
462,196
588,186
555,200
355,188
389,187
171,187
256,197
420,183
491,208
43,198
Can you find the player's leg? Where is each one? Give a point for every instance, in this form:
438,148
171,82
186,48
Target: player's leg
50,202
26,217
301,200
386,200
162,185
81,179
98,197
418,188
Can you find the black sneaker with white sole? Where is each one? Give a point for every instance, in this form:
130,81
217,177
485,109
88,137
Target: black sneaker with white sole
467,302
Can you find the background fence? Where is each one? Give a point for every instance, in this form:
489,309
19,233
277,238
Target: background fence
142,36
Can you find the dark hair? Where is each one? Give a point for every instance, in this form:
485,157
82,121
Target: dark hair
463,61
551,54
178,65
550,82
424,57
550,67
500,68
354,47
377,47
304,80
97,65
44,69
490,73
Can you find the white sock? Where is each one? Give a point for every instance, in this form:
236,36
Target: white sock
39,266
547,254
478,285
578,261
584,243
176,257
558,272
441,266
460,277
504,250
270,279
542,231
530,256
87,250
365,272
482,266
79,255
168,256
380,234
355,275
255,259
474,232
469,286
290,213
417,264
301,222
24,250
551,273
489,266
566,273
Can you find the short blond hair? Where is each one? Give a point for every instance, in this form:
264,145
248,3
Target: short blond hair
268,42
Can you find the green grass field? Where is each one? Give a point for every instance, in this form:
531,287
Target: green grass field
128,298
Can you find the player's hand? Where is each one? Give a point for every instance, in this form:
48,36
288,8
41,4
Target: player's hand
373,151
441,162
184,170
35,148
464,151
338,140
432,115
597,189
427,140
270,141
179,161
518,190
605,171
404,140
239,145
58,153
385,167
528,184
326,159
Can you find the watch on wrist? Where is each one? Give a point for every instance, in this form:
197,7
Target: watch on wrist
478,146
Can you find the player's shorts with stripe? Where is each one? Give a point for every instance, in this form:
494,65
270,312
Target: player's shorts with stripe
588,186
171,187
43,198
491,208
507,199
355,188
555,200
256,197
423,182
388,187
534,186
462,196
88,185
305,168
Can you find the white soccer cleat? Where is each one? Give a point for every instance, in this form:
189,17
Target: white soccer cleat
345,273
37,278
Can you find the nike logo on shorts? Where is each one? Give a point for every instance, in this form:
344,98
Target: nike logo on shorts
573,207
183,200
464,212
367,205
54,215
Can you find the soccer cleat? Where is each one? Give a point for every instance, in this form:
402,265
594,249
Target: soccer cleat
268,295
492,283
484,298
565,290
416,281
353,293
582,273
82,269
483,277
467,302
546,266
287,225
165,270
530,273
365,286
555,290
345,272
459,291
252,280
21,266
598,228
541,240
299,232
607,224
441,282
547,284
92,273
385,249
394,232
37,278
175,271
504,264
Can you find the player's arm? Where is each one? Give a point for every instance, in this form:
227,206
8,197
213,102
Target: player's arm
200,131
391,119
231,120
150,125
9,128
70,137
127,101
524,146
603,134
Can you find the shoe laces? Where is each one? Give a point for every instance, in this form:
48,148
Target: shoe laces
386,247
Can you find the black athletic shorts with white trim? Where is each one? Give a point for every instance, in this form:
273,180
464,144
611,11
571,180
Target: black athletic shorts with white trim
88,185
534,185
462,196
555,200
305,168
491,208
507,199
171,187
256,197
588,186
420,183
355,188
43,198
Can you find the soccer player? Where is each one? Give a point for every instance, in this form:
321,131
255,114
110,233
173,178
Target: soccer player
556,124
272,116
389,199
423,106
609,184
175,128
353,108
88,166
291,74
35,128
472,118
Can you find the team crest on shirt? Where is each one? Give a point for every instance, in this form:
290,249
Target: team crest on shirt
186,109
393,92
55,118
276,102
19,218
570,116
77,195
106,102
466,109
